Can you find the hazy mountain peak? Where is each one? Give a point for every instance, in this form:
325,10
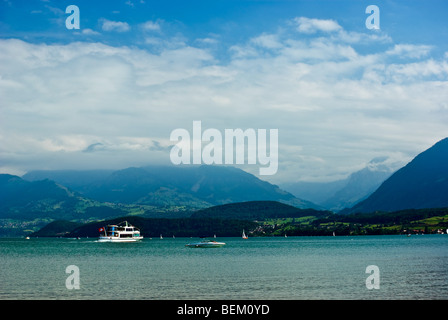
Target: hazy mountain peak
422,183
337,195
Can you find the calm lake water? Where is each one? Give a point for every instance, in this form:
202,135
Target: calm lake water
257,268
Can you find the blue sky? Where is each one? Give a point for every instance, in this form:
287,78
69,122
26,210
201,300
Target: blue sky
110,93
232,20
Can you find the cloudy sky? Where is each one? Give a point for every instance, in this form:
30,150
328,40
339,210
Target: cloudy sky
108,95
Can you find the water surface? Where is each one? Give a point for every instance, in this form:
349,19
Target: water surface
257,268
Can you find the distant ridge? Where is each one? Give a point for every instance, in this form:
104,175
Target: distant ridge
340,194
152,191
193,186
422,183
28,200
256,210
46,199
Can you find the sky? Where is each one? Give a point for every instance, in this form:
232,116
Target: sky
108,95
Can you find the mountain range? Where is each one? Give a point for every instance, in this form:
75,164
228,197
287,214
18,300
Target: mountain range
199,191
46,199
422,183
172,192
345,193
189,186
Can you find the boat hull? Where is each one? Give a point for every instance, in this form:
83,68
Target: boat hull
115,239
211,244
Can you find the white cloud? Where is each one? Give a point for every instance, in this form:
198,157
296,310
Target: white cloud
336,108
269,41
151,26
414,72
89,32
410,50
352,37
207,41
129,3
118,26
307,25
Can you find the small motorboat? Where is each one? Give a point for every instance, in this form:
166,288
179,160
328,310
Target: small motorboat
205,243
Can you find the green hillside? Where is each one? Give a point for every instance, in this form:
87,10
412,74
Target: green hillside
266,218
400,222
256,210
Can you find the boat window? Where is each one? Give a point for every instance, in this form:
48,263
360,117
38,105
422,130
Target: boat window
125,235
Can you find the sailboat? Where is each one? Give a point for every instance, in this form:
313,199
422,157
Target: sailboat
244,236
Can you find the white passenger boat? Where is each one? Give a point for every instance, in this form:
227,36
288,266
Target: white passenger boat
205,244
122,232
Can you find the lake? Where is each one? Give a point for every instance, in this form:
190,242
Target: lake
268,268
